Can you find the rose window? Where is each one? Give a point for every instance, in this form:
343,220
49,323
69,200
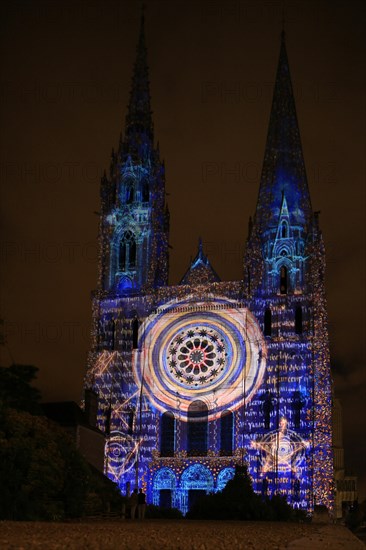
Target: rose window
197,356
214,352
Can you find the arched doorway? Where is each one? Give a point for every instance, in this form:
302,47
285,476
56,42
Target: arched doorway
164,485
226,433
196,481
224,476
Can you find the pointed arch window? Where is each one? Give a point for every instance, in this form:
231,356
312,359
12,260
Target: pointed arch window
130,192
298,320
226,433
167,437
283,279
132,254
145,191
284,230
135,334
122,255
267,322
127,251
197,429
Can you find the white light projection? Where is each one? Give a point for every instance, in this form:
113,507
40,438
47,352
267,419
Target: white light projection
282,449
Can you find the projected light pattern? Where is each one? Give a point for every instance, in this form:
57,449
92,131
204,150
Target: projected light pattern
178,481
282,450
186,355
224,476
121,453
199,389
322,412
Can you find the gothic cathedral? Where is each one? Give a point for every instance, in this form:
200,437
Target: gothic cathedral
197,378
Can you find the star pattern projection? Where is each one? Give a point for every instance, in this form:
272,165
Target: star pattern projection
282,449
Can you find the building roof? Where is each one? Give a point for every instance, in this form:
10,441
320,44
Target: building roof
67,414
200,271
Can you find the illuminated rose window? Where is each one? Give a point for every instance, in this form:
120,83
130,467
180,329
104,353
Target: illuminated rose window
197,356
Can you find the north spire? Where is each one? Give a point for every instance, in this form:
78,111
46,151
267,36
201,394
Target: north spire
283,171
135,221
139,126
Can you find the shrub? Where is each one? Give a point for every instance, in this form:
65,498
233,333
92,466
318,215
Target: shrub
238,501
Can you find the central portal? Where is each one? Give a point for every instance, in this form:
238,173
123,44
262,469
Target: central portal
193,496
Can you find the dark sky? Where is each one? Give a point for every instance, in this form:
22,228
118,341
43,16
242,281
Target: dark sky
66,69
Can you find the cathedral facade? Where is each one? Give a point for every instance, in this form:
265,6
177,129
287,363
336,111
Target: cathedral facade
197,378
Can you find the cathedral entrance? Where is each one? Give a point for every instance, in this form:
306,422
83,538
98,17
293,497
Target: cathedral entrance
165,498
196,481
164,485
193,496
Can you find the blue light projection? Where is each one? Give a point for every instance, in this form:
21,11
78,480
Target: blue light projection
143,385
286,183
224,476
250,357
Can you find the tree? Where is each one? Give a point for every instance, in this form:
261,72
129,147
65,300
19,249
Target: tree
238,501
31,467
42,474
16,390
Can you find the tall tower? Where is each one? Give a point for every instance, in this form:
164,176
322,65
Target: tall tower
284,282
133,250
134,218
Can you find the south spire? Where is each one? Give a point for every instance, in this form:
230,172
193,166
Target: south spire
283,170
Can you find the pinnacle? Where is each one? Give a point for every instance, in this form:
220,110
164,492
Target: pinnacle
283,169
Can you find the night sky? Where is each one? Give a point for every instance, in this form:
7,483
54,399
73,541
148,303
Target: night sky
66,69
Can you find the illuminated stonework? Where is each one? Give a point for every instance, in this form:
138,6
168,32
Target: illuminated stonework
200,354
122,452
196,378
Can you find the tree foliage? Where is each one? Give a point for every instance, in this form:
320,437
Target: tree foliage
238,501
42,474
16,390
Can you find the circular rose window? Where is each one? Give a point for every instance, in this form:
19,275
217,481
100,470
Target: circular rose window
196,356
212,351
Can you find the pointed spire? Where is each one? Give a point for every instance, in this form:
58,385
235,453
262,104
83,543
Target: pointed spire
200,254
284,227
139,119
284,207
200,270
283,167
200,258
